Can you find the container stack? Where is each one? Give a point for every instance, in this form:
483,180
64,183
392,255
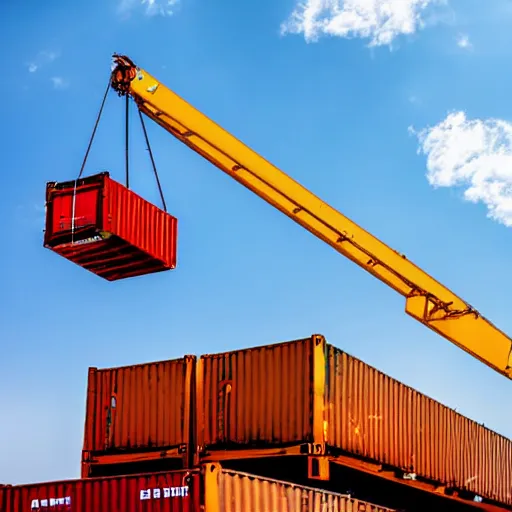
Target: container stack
299,425
209,489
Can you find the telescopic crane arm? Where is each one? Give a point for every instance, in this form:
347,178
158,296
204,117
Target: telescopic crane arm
427,300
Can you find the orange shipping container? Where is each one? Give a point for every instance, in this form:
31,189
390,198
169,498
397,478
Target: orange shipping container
211,489
258,397
239,491
139,416
307,396
375,417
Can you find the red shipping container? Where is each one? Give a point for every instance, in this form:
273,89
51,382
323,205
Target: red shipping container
157,492
107,229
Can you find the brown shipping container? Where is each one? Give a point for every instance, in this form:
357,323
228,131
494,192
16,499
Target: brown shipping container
309,392
212,489
373,416
259,396
241,492
139,412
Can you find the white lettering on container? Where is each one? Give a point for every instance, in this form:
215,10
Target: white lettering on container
37,504
166,492
90,240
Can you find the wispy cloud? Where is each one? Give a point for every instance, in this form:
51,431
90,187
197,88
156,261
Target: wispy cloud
475,154
380,21
44,57
59,82
463,41
150,7
30,214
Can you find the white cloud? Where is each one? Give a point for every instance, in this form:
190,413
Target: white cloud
151,7
474,154
49,56
59,82
43,57
381,21
463,41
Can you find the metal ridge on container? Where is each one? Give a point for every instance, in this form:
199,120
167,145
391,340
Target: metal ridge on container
209,489
308,397
106,228
258,396
455,451
138,413
415,390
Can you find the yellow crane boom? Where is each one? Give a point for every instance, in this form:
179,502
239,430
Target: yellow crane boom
427,300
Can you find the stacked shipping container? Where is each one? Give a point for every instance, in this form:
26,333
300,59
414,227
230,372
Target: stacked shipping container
371,415
308,392
260,397
139,415
211,489
303,396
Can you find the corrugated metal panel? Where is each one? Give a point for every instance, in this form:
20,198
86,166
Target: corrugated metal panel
157,492
257,397
142,224
371,415
211,490
140,407
241,492
483,464
270,396
108,229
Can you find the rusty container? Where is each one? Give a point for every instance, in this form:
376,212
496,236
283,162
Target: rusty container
139,417
177,491
260,397
308,397
239,492
208,489
377,418
107,229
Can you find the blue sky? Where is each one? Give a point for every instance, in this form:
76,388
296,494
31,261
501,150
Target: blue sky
401,123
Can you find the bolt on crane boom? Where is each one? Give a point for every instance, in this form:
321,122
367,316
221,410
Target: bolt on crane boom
426,300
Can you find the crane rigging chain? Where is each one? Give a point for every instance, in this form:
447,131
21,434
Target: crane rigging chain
122,87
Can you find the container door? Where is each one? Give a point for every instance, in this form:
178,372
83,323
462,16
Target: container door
101,409
73,213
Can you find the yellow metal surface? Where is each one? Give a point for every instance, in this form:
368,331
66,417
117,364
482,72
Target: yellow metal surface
427,300
318,468
319,383
211,487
